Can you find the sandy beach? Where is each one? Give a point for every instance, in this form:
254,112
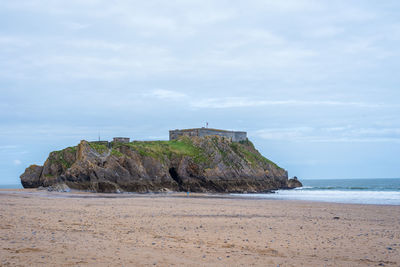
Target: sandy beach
39,228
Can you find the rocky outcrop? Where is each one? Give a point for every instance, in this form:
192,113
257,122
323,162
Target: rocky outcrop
293,183
30,178
206,164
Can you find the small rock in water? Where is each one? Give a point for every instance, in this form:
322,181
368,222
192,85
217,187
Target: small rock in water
336,218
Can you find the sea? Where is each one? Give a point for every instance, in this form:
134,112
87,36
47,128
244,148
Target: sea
381,191
11,186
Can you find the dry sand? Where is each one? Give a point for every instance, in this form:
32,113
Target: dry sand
41,229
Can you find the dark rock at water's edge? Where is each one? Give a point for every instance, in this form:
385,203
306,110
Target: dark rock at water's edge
196,164
30,178
293,183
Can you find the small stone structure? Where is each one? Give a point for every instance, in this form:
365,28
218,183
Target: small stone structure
121,139
233,135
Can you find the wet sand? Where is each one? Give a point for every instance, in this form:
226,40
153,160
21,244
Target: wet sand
38,228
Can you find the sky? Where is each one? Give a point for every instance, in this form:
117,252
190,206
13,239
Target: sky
314,83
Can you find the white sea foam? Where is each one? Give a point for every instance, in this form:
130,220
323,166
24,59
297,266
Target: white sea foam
304,187
336,196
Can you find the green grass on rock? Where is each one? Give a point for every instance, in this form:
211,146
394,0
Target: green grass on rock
166,149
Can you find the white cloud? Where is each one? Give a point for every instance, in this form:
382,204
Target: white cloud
89,58
7,147
76,25
166,94
331,134
95,44
240,102
13,41
327,31
152,23
285,134
252,36
290,5
201,39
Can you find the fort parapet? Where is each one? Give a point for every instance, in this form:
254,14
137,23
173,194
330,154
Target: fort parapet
233,135
121,139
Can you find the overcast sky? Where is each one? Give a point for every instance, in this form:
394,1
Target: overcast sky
314,83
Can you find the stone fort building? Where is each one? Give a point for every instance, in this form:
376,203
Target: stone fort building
233,135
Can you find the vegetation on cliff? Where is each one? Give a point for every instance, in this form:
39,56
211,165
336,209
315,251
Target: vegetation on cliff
186,147
163,150
61,156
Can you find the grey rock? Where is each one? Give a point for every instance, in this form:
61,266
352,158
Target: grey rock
31,177
58,188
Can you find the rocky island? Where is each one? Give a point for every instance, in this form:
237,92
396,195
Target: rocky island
187,162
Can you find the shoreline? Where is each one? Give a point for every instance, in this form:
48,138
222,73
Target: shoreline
76,194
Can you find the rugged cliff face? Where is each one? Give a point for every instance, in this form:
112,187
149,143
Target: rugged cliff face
207,164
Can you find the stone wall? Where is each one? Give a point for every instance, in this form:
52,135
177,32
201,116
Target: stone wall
121,139
233,135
